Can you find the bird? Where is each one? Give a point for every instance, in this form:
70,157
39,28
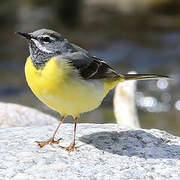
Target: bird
67,78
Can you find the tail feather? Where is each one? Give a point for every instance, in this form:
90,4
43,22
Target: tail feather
110,83
142,76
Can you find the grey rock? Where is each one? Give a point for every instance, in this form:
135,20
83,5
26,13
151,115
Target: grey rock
106,151
14,115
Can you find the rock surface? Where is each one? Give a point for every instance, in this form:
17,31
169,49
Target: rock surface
106,151
14,115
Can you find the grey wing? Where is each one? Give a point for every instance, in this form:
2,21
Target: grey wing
91,67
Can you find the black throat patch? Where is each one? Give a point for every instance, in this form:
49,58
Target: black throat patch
39,58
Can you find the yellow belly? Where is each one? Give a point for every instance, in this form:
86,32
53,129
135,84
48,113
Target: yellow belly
59,86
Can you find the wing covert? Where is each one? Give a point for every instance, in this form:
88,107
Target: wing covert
90,67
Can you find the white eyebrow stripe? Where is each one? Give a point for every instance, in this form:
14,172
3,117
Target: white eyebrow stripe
45,35
42,48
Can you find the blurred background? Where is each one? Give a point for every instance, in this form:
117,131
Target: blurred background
140,35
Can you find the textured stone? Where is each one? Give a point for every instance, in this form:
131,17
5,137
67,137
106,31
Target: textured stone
106,151
14,115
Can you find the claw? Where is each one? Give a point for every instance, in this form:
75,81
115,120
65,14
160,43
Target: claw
51,141
70,148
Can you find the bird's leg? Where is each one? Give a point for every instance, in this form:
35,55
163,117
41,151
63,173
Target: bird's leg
72,147
52,141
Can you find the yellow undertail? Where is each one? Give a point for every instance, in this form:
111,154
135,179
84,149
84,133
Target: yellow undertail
112,82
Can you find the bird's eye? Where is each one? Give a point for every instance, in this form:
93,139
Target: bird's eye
46,39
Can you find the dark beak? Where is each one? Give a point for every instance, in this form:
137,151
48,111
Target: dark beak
26,35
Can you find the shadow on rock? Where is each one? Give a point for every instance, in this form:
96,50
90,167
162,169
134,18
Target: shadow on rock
137,143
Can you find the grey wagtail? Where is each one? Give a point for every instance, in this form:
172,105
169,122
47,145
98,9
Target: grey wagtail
67,78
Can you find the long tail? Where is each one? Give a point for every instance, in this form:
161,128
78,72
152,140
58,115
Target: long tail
110,83
142,76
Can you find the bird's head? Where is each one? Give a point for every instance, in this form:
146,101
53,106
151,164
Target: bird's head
45,43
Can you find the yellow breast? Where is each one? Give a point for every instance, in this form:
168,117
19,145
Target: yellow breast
59,86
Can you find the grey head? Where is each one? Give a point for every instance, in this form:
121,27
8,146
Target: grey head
45,44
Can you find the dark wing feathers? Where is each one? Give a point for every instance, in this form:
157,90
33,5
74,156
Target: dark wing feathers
103,70
90,67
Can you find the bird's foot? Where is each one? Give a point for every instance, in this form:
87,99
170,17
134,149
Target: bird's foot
70,148
51,141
